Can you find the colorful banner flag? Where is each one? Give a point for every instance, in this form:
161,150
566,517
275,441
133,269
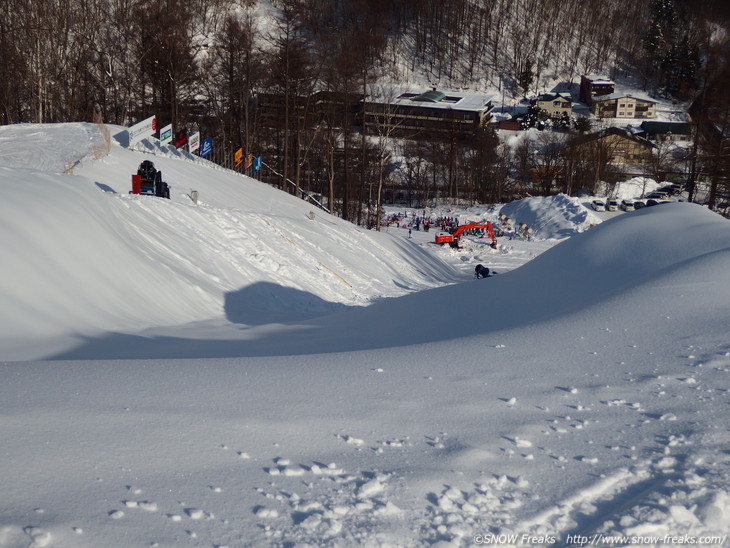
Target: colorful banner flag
166,134
207,147
258,162
238,157
194,142
142,130
249,161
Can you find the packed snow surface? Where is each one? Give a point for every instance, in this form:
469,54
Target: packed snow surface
250,371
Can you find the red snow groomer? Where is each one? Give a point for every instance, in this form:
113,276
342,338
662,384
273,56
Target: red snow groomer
453,239
148,180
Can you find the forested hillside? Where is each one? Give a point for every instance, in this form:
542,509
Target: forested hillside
204,65
63,58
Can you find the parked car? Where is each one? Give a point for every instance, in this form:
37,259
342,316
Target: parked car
612,205
638,204
672,189
657,195
627,205
598,205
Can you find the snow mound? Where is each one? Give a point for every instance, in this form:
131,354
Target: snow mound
635,188
625,252
552,216
619,256
52,148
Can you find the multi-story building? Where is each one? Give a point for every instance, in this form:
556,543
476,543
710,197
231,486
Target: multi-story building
592,85
557,105
616,146
431,114
308,110
619,105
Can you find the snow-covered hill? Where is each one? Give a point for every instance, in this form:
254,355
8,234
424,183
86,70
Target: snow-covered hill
276,400
88,257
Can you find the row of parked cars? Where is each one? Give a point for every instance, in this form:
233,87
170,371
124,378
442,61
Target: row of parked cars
625,205
656,197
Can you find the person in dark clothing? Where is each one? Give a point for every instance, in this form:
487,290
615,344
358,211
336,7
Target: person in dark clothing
481,271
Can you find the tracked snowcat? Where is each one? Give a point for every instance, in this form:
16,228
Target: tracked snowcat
148,181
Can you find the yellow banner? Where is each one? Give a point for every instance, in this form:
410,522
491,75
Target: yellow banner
238,156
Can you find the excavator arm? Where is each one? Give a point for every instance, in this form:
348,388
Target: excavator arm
453,239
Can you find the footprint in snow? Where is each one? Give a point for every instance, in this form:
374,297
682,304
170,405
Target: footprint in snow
39,536
437,442
519,442
142,504
352,440
264,512
396,442
195,513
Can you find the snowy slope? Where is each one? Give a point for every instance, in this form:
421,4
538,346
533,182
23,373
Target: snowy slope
581,398
137,262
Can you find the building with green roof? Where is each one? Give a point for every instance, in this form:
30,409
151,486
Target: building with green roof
666,131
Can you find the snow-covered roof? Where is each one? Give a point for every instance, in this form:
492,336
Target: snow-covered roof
433,98
555,96
598,79
620,132
619,95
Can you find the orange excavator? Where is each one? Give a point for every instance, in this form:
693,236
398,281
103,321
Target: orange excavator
453,239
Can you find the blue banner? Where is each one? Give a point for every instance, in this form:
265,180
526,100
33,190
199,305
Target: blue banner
258,162
207,147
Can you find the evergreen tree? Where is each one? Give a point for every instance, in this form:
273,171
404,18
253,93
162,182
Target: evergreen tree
526,78
582,124
670,62
687,60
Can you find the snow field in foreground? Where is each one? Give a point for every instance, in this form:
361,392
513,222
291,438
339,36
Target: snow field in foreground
583,395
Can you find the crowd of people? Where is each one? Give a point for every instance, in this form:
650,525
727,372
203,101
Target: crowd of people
421,222
413,221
